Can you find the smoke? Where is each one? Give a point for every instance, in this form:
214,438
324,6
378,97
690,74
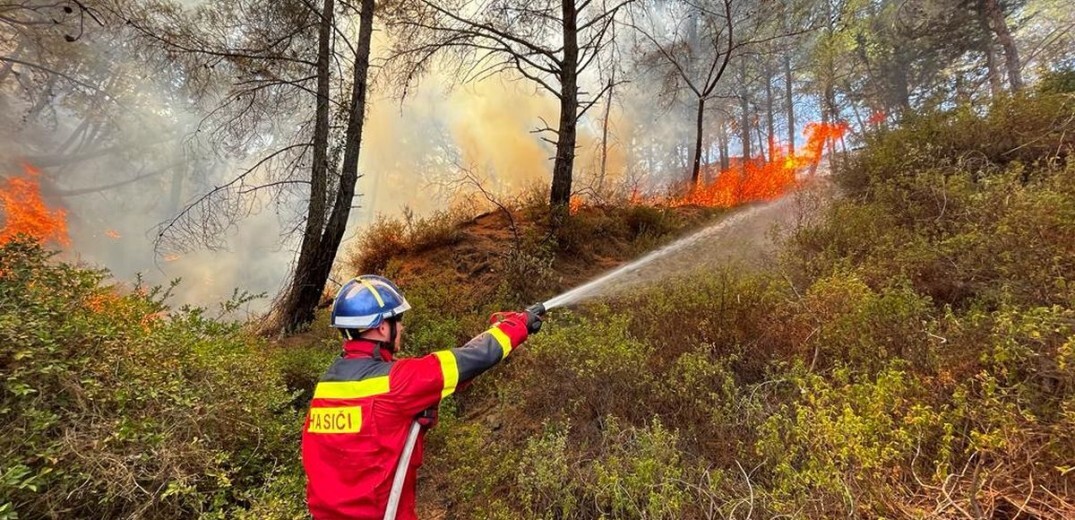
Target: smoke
155,158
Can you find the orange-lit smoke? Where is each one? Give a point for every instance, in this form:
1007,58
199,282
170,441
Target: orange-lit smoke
24,212
758,179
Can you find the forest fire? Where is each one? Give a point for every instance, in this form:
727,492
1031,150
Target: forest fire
758,179
25,213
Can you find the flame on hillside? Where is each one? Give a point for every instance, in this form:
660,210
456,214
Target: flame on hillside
758,179
25,213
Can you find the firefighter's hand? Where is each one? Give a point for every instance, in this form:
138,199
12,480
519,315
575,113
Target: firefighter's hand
529,319
533,321
428,418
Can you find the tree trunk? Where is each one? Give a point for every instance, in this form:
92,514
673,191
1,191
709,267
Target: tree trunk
316,207
696,167
722,137
744,108
312,272
901,81
770,119
604,133
995,85
562,167
762,152
789,103
1004,36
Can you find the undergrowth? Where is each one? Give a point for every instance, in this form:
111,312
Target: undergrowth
911,355
115,406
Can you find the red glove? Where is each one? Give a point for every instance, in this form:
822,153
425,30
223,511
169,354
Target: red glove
531,321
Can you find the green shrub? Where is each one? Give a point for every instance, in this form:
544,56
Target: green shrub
116,406
1057,82
843,444
1018,129
856,326
473,463
589,368
648,220
643,474
548,480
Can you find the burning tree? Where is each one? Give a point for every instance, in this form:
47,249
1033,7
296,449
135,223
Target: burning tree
550,43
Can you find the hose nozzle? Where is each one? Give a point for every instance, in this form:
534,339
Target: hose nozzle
537,309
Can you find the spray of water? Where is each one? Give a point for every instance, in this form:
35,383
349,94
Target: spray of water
634,271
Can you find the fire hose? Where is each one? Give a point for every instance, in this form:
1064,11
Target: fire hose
412,439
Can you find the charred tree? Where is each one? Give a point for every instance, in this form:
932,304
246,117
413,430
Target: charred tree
770,118
744,112
722,138
564,163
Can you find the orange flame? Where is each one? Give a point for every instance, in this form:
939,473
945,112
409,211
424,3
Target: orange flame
113,234
575,204
25,213
757,179
171,258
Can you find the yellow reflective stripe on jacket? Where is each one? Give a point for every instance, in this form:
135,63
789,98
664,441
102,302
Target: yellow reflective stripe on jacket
450,369
351,389
503,340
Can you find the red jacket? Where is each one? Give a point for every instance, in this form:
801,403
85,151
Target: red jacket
360,413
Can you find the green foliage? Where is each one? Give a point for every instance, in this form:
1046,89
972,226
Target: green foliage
914,348
116,406
548,483
648,220
589,368
1019,129
643,475
1057,82
843,440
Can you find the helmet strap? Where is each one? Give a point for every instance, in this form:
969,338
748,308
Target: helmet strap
393,326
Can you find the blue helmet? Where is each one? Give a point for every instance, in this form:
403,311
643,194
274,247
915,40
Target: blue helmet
364,302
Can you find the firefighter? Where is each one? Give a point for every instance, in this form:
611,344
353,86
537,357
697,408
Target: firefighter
364,405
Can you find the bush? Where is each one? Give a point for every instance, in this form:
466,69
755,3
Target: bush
388,238
1022,129
116,406
1057,82
648,220
589,368
845,444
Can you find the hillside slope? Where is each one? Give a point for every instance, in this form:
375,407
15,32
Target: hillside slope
907,352
908,355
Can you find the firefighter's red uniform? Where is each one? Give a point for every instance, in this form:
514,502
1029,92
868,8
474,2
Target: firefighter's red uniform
362,408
